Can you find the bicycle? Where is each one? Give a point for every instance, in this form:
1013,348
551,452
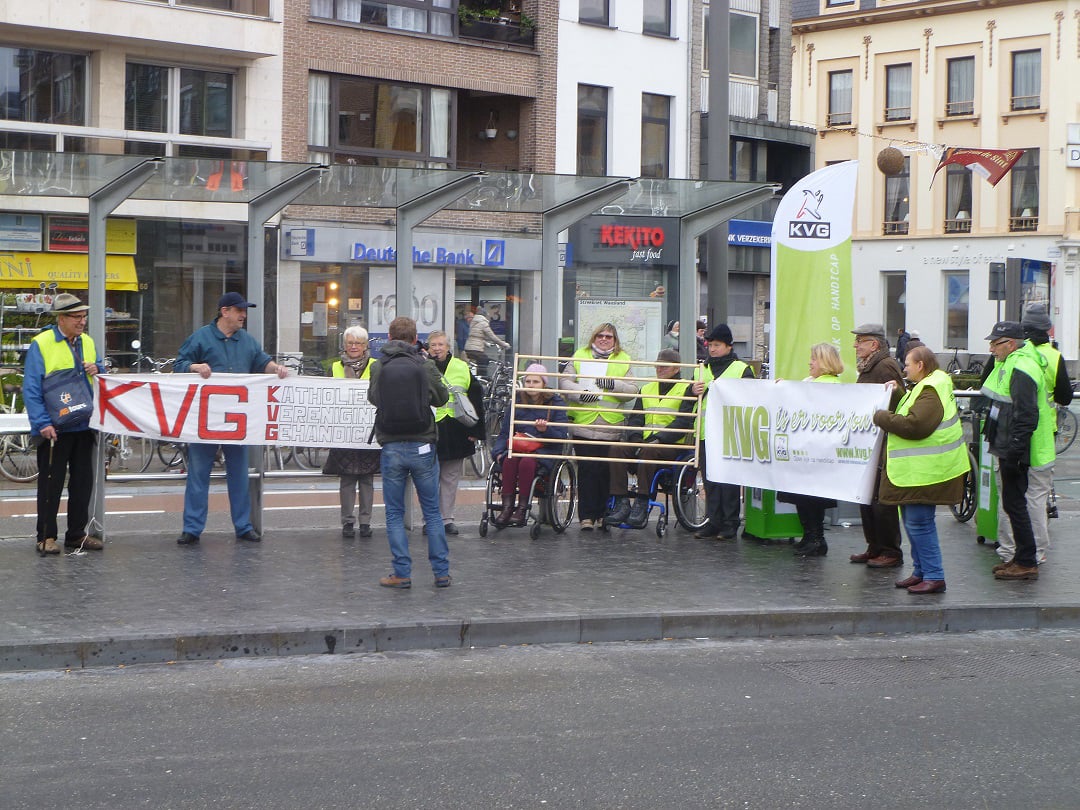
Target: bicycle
1065,433
764,360
18,455
965,510
973,367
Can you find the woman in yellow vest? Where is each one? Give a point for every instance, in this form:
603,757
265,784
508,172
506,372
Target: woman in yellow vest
599,386
825,367
356,468
925,462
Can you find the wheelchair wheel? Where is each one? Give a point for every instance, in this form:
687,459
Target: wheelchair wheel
534,530
483,525
491,490
479,459
689,503
561,500
661,526
965,510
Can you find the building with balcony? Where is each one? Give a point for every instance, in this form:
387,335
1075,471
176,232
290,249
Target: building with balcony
920,76
198,81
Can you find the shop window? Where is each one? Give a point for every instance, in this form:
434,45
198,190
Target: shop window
840,87
657,17
743,45
957,289
960,93
592,130
898,202
184,101
594,11
743,160
1024,201
367,122
898,92
957,199
1026,80
655,135
895,302
41,87
423,16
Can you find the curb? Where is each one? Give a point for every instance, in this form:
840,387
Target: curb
127,650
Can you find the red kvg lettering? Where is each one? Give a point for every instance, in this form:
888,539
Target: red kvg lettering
271,433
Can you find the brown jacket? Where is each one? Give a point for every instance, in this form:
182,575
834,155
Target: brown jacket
880,368
920,421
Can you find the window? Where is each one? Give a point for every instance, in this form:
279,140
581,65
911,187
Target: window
373,123
260,8
743,45
178,100
957,290
425,16
1024,204
1026,80
743,160
839,98
957,199
655,134
898,92
657,17
960,94
592,119
897,201
41,87
895,301
593,11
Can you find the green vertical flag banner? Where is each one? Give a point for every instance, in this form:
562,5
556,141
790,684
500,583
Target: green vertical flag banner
811,271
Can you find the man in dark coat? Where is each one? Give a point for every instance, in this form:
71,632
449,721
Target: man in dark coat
902,338
880,524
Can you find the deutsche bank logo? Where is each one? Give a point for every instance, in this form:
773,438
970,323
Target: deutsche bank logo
494,252
810,230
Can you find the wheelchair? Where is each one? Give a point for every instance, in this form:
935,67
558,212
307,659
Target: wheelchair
679,489
552,493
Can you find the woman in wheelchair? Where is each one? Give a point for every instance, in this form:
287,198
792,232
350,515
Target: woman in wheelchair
545,413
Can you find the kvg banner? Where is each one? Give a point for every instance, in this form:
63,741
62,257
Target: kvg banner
236,409
811,438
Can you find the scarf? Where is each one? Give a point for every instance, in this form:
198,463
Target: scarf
354,368
599,353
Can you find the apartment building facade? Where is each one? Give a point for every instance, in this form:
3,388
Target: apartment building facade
197,81
921,76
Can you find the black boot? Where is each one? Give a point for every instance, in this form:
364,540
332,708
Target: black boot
619,512
800,545
816,545
639,514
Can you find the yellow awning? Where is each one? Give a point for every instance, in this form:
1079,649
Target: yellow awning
26,271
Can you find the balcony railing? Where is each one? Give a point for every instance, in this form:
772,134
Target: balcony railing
1022,223
960,225
894,228
497,31
838,119
960,108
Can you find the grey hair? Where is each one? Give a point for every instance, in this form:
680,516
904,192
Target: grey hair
356,333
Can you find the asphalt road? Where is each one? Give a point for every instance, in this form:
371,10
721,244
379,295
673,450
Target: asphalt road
984,720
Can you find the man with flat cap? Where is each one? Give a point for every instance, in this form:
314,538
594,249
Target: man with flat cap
225,347
1019,430
722,501
1037,325
880,524
66,452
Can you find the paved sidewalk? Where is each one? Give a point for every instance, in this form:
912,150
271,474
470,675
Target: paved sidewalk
307,590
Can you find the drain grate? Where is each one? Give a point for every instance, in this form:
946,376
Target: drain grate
916,670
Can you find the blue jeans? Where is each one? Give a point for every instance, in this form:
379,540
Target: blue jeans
399,461
922,532
200,458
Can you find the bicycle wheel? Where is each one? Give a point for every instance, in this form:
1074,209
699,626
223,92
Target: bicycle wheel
975,367
142,453
561,497
171,454
310,458
479,460
689,503
1066,430
18,458
953,367
965,510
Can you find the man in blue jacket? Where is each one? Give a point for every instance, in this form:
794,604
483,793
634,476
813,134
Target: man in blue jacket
223,346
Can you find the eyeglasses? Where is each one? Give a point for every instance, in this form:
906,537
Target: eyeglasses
356,343
865,340
605,336
999,341
81,316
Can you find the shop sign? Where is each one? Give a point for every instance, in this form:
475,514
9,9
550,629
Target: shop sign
20,232
626,240
749,233
72,235
492,254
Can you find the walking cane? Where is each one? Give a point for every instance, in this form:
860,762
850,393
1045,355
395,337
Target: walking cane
48,486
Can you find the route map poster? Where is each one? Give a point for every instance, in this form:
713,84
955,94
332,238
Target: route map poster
640,323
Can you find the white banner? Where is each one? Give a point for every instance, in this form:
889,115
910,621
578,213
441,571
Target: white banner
236,409
811,438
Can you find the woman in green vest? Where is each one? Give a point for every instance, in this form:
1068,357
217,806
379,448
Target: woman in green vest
356,468
599,387
925,463
825,367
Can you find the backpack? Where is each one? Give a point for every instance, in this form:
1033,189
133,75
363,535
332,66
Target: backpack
403,408
464,412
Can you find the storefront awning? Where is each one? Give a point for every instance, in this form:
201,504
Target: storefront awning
27,271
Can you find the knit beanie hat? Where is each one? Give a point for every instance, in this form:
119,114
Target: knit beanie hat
539,370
